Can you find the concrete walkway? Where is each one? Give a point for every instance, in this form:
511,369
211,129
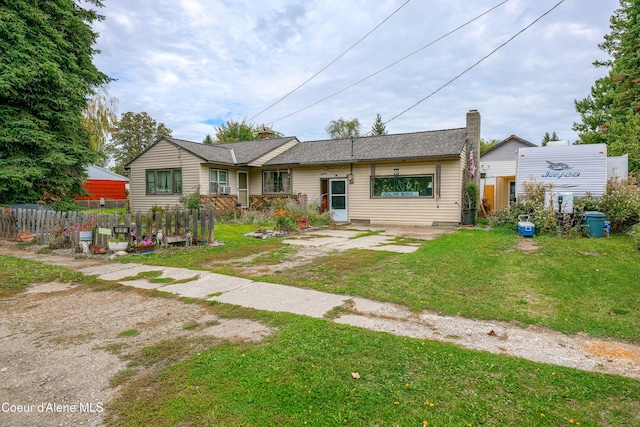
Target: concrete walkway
533,343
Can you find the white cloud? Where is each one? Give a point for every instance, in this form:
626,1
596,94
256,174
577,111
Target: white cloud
190,61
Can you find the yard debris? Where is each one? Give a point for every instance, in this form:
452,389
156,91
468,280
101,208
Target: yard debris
264,234
492,333
24,237
355,375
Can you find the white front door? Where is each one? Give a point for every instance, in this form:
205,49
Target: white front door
338,200
243,189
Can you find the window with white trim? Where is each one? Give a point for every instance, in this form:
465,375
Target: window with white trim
276,182
164,181
217,179
402,186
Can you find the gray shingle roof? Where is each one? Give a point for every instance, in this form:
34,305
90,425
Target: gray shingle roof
431,144
244,151
509,139
96,172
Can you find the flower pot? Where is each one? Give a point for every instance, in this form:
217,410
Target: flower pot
303,223
139,249
468,217
118,246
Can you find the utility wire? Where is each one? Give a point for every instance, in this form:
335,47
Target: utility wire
393,63
478,62
332,62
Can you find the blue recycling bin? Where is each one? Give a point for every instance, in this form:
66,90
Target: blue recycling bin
595,223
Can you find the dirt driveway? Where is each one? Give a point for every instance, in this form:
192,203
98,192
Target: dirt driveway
60,347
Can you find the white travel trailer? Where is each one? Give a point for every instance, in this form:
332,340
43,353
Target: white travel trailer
569,170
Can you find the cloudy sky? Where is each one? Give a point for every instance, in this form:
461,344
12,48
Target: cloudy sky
193,64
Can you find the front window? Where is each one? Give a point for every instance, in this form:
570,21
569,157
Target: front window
164,181
402,186
276,182
217,179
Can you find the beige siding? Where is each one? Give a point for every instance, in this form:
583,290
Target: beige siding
162,155
232,178
255,181
271,154
361,206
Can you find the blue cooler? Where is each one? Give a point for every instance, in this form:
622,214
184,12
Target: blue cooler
525,227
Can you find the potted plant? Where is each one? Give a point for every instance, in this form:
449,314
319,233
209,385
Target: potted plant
470,197
118,242
142,245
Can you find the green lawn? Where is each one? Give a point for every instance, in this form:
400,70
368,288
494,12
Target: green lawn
302,374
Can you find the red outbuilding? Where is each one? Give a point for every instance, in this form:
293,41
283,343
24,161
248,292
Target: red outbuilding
103,183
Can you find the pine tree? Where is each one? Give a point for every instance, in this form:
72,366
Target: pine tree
614,101
378,127
547,138
46,77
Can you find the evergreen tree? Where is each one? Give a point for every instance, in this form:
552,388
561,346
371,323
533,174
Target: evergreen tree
134,133
207,140
546,138
615,99
46,77
378,127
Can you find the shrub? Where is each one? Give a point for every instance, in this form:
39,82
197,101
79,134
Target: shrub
245,216
284,221
192,201
635,236
621,204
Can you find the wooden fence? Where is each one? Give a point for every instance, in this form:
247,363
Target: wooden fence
50,226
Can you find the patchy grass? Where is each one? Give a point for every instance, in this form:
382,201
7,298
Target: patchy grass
129,333
480,274
212,258
192,324
16,274
367,233
568,284
148,275
302,375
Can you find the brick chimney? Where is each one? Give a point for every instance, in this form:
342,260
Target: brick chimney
265,133
473,129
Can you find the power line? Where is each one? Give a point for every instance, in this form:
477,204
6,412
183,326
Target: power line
478,62
332,62
392,64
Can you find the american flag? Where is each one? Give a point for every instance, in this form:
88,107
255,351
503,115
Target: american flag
472,163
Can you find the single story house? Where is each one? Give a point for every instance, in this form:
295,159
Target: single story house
105,184
412,178
498,172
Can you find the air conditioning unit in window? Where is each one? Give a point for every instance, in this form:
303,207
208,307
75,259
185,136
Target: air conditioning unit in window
224,189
